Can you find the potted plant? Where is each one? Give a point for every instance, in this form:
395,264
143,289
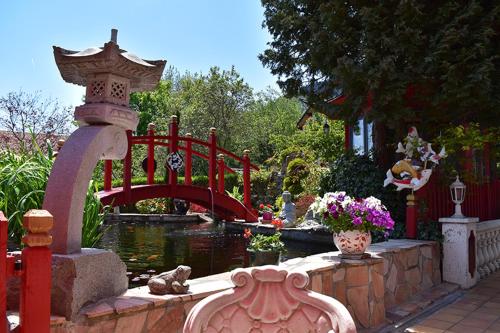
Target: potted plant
266,210
352,220
265,250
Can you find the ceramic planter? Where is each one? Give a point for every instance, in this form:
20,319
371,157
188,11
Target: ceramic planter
260,258
267,216
352,243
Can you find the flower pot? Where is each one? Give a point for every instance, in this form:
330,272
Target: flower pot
267,216
352,243
260,258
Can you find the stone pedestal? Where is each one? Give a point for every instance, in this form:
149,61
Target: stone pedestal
459,250
86,277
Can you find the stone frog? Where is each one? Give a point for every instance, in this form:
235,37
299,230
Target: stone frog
171,282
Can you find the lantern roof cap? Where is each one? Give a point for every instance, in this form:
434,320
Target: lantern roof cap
78,66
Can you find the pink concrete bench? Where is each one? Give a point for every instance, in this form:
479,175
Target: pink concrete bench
269,299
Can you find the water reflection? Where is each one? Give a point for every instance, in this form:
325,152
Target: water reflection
147,248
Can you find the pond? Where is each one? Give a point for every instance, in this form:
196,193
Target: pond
151,248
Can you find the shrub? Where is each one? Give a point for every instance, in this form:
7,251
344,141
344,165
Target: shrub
303,203
297,171
155,206
361,178
264,187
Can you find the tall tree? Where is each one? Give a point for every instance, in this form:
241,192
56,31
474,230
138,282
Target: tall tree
25,115
431,62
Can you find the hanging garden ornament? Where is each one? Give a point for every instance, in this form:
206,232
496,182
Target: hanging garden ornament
175,161
413,169
144,165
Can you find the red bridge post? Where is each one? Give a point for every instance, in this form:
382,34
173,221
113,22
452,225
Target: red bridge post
411,216
151,154
34,307
220,172
108,170
212,159
189,161
3,272
246,180
127,169
173,145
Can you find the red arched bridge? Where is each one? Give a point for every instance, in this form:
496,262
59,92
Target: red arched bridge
212,197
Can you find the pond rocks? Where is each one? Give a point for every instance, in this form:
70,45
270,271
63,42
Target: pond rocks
171,282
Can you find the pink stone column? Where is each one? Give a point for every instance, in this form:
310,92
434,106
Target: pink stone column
69,180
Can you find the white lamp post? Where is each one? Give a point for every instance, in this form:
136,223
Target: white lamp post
457,189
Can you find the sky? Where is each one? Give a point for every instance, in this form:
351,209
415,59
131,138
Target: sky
192,35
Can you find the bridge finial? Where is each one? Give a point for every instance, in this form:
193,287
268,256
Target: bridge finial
151,126
220,157
246,152
173,118
189,135
212,130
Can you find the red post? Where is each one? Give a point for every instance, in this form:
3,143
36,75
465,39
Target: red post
3,272
34,307
411,216
212,159
246,180
151,154
173,145
220,173
189,161
127,166
108,172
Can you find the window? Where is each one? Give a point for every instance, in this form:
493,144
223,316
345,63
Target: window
361,140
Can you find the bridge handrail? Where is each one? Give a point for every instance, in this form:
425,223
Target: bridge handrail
145,140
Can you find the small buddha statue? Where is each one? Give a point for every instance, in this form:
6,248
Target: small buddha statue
287,213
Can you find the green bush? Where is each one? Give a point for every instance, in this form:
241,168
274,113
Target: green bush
264,187
155,206
297,171
359,177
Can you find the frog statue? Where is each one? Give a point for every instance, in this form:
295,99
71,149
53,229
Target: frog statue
171,282
287,213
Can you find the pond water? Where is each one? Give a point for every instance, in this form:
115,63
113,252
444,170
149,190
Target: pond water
151,248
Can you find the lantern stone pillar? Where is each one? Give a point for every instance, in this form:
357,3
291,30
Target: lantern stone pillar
110,74
459,250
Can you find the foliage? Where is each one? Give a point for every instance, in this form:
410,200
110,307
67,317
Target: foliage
360,177
436,61
235,193
297,171
430,230
343,213
26,116
155,206
260,242
23,178
93,218
459,139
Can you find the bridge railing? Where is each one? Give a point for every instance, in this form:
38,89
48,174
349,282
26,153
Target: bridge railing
215,157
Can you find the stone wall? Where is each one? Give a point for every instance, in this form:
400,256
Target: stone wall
397,270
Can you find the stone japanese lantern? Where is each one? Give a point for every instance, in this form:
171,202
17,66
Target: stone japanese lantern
82,276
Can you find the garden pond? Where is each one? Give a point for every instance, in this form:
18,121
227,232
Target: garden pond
149,248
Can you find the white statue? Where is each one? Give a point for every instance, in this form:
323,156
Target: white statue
287,213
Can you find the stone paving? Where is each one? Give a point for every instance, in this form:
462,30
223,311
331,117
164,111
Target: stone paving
478,311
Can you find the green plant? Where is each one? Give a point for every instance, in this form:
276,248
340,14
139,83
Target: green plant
430,230
155,206
261,242
235,193
93,217
297,171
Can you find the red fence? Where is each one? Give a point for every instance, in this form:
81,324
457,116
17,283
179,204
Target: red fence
175,143
34,270
481,200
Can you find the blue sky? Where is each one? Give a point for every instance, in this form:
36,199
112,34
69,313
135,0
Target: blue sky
190,34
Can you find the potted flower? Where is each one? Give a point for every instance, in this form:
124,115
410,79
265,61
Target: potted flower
265,250
351,221
266,210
